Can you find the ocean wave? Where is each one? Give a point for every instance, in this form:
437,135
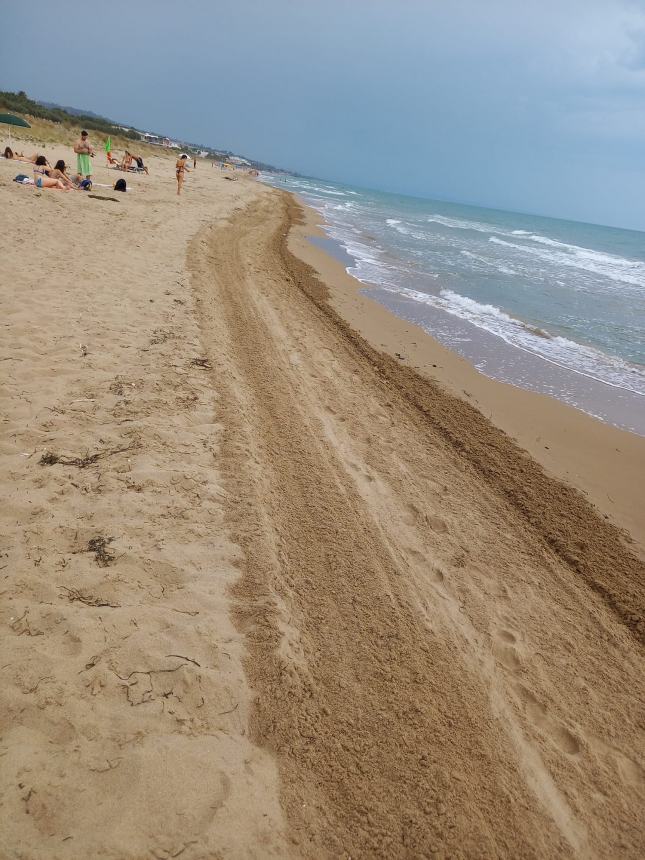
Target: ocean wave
458,224
340,207
555,349
493,264
610,266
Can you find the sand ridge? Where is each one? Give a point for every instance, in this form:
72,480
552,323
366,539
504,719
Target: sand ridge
433,675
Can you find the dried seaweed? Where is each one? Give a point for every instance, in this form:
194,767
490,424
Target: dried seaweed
50,458
99,546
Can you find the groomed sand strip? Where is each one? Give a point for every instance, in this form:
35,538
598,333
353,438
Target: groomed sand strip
278,596
446,651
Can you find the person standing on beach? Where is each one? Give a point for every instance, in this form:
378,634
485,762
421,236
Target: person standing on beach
180,171
84,151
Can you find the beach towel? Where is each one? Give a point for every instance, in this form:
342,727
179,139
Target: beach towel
83,164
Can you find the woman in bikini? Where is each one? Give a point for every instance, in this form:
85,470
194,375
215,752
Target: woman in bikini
42,178
180,171
60,172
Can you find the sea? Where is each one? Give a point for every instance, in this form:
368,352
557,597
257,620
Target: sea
549,305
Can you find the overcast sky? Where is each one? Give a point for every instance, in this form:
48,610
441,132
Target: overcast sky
533,105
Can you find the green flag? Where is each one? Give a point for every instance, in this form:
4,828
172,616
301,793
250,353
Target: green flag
108,145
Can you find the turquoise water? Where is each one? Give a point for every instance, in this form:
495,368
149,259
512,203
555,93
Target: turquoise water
553,305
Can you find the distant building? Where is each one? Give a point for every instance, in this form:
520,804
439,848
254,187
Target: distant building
151,138
237,160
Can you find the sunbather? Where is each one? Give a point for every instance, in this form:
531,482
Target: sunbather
112,161
60,172
140,164
42,178
19,156
126,161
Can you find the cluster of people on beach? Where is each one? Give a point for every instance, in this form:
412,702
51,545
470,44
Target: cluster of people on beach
130,161
46,176
58,177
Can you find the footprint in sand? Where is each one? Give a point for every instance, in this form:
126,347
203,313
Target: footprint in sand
629,771
506,650
413,516
325,356
539,715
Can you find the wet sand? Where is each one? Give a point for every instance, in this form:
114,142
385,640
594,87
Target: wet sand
602,461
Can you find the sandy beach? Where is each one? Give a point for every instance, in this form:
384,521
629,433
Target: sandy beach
270,590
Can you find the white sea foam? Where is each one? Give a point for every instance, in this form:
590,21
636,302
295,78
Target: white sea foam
493,264
458,224
557,350
573,256
530,265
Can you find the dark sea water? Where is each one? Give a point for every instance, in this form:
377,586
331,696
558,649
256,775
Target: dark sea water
550,305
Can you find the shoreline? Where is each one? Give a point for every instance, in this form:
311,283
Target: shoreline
520,347
404,564
597,458
243,544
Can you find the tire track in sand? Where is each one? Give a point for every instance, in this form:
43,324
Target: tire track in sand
397,610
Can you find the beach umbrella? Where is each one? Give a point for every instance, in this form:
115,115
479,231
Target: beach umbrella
108,145
9,119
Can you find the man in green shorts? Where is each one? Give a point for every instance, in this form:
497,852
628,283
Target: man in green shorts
84,151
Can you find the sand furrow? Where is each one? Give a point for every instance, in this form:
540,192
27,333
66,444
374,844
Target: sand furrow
411,641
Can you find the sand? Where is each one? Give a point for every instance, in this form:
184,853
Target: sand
266,592
600,460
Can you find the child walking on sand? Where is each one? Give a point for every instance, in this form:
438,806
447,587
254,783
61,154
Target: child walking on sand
180,170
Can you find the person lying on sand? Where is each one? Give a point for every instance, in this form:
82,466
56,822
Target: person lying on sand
42,178
20,156
111,160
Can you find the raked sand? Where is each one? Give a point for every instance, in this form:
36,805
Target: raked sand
265,591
